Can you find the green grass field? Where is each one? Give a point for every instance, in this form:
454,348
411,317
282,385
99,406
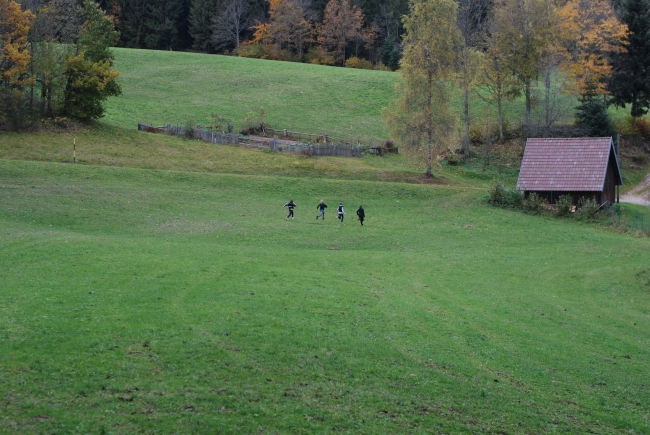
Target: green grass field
162,87
155,286
153,301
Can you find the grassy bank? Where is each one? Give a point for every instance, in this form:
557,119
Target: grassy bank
175,302
113,146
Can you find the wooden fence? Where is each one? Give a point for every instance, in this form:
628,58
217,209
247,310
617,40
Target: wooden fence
322,145
331,150
308,138
198,133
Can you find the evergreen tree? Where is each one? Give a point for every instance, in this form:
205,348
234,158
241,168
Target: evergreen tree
201,15
390,54
90,77
133,20
164,24
630,81
592,116
257,9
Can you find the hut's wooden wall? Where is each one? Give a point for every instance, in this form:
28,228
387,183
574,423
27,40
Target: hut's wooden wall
609,190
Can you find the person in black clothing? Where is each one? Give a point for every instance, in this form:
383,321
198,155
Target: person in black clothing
322,206
341,212
361,213
291,206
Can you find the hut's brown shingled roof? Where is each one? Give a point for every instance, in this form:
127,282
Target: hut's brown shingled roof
576,164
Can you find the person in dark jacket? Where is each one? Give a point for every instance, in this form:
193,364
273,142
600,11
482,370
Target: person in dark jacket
291,206
322,206
341,212
361,213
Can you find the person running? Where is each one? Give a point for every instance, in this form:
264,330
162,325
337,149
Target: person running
291,206
341,212
322,206
362,214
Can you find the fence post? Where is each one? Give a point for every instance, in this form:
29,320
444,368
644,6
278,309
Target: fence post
274,146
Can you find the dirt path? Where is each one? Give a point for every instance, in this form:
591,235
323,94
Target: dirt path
639,194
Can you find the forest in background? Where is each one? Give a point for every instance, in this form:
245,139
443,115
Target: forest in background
546,53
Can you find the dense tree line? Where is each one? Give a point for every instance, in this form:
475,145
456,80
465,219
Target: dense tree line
359,28
55,61
549,52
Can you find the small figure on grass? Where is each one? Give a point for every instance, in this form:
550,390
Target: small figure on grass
341,212
291,206
361,213
321,206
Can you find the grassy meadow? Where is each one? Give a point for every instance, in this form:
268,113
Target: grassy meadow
156,287
153,301
164,87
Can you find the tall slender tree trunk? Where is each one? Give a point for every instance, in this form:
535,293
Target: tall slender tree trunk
498,85
50,93
547,98
528,103
289,49
500,109
43,98
466,114
429,118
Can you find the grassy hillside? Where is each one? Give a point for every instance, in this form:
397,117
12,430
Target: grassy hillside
162,87
174,302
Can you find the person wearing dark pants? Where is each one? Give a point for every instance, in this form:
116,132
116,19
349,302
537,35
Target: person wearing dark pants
361,213
322,206
341,212
291,206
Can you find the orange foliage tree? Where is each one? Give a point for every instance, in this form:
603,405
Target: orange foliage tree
14,63
287,31
589,30
342,23
14,52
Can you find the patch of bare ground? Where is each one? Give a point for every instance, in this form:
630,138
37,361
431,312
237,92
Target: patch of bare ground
639,194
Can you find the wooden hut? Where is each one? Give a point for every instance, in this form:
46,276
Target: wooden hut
580,167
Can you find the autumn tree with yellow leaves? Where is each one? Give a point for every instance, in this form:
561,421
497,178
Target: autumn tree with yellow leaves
14,61
589,32
421,119
342,24
14,51
286,32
